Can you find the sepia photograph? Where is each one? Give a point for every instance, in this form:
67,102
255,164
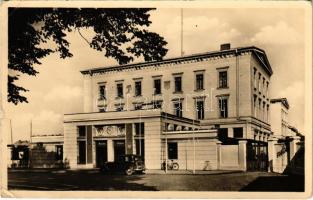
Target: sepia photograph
159,97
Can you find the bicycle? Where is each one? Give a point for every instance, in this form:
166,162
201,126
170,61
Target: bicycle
171,165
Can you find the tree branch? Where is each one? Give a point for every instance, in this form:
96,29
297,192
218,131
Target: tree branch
83,36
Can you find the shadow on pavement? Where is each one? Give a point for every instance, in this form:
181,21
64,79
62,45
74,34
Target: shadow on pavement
286,183
70,181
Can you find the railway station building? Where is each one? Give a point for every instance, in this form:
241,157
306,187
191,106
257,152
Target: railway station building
206,111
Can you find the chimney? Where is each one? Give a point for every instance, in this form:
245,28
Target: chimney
225,46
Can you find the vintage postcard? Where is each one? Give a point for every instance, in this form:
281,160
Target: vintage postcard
156,99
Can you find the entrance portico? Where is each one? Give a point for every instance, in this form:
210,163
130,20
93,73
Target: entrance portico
93,138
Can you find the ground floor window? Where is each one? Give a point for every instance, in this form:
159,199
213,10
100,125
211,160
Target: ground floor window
119,149
223,134
59,152
140,147
238,132
81,152
172,150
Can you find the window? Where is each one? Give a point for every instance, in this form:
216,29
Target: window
223,134
178,109
102,109
138,88
223,107
255,108
264,112
120,108
157,104
81,131
260,109
178,84
222,79
102,93
254,78
238,132
81,152
59,152
263,86
139,128
172,151
138,106
119,87
157,86
267,89
199,81
267,113
259,85
200,108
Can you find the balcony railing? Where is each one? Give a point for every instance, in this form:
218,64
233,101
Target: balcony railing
101,102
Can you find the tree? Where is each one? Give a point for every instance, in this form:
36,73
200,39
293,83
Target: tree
119,33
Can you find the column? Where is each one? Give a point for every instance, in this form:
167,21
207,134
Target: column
272,153
293,146
110,147
129,138
242,155
218,151
70,144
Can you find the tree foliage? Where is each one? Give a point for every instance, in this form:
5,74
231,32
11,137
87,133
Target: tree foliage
119,33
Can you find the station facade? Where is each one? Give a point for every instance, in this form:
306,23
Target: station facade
205,111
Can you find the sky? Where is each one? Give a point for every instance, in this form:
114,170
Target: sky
58,87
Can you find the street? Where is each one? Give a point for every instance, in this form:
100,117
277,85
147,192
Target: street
93,180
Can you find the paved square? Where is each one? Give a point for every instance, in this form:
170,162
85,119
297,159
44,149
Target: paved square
93,180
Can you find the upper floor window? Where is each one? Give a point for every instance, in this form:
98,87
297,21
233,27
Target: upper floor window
268,113
267,88
178,109
157,86
199,81
263,86
255,108
138,88
157,104
102,92
119,87
120,107
254,77
200,109
223,107
222,83
259,85
178,83
138,106
264,112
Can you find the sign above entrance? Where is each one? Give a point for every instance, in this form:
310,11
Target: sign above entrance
113,130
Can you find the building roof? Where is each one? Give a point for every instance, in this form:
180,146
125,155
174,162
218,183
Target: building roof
260,55
284,101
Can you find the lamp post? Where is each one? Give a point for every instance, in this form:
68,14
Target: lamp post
166,87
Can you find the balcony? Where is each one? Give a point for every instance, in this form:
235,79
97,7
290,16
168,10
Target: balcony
101,102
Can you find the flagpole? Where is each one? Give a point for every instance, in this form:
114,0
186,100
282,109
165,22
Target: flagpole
11,131
31,130
182,32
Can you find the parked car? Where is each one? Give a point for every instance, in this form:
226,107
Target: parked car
127,164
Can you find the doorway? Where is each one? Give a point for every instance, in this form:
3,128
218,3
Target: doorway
101,153
81,152
119,149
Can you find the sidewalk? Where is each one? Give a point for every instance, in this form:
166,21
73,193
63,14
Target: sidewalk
190,172
151,171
